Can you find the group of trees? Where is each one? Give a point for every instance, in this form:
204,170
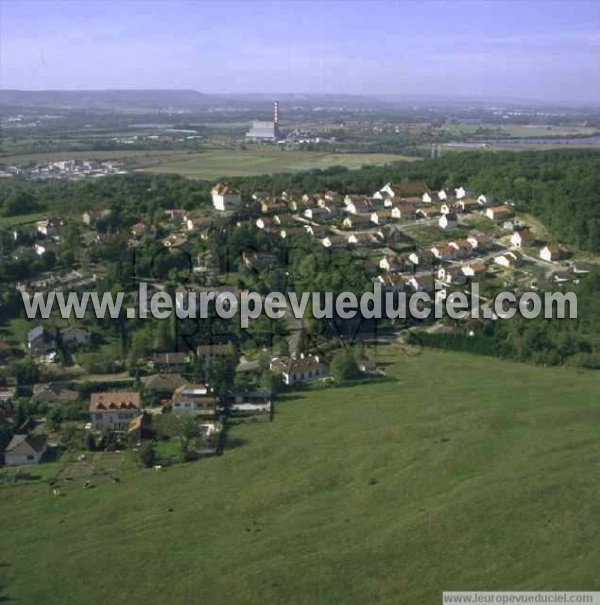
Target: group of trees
574,342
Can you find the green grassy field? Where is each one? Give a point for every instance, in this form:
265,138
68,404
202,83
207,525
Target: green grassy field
22,219
216,163
524,130
459,473
263,160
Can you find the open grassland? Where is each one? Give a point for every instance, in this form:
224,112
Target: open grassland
524,130
216,163
22,219
458,473
265,160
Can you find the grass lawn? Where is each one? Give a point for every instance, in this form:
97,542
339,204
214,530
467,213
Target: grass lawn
264,160
483,224
459,473
12,221
523,130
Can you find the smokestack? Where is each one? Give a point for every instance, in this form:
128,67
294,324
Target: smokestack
276,112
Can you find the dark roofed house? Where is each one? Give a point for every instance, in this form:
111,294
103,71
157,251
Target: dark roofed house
53,393
173,362
250,404
406,189
25,449
206,351
114,410
581,268
40,340
73,336
561,277
162,384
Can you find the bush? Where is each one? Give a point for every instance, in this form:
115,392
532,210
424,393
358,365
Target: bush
89,442
145,454
343,365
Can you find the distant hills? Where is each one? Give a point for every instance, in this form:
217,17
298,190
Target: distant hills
110,100
190,100
103,99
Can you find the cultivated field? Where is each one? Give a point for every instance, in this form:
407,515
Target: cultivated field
458,473
264,160
524,130
215,163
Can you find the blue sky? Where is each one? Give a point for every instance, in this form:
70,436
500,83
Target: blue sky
524,49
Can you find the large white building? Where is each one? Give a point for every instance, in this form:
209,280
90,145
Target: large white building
265,131
225,197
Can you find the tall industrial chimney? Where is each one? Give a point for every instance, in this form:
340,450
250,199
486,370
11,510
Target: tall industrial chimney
276,112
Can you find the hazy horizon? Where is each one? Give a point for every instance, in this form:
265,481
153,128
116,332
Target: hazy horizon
506,50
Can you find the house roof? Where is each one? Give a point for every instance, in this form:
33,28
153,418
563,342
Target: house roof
461,244
105,402
54,392
176,358
198,221
526,235
358,218
224,189
561,276
501,209
409,188
163,382
580,267
391,279
444,248
477,266
173,241
212,350
40,332
191,389
25,444
480,238
553,249
293,366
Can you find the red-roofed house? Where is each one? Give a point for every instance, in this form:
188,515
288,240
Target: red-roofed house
114,410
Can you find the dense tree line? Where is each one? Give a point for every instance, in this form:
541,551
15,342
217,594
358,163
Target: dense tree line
547,341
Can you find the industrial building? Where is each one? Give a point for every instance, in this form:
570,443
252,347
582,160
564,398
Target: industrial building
266,131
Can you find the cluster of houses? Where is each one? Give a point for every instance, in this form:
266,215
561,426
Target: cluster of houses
124,412
46,342
73,169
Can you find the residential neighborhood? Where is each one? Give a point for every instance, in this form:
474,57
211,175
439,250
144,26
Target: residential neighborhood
405,237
